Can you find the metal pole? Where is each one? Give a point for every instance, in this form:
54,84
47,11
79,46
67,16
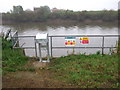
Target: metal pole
40,57
51,45
48,51
103,46
12,38
17,39
35,48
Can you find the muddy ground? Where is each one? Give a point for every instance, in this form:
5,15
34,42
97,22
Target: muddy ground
40,78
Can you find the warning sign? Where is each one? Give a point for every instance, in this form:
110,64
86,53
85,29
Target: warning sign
84,40
70,41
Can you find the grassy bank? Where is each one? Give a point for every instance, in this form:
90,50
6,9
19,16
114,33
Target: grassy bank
87,70
12,59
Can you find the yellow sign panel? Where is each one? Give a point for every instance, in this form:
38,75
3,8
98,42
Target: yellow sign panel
84,38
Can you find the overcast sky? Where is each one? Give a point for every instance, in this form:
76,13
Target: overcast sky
76,5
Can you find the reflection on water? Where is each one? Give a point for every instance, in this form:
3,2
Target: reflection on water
68,29
64,28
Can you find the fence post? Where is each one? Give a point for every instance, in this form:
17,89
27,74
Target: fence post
48,54
17,39
35,48
12,38
51,45
40,57
103,46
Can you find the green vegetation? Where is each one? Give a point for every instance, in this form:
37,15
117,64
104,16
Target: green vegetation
0,48
0,56
12,59
44,13
87,71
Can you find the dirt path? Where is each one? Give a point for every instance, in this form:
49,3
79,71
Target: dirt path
38,79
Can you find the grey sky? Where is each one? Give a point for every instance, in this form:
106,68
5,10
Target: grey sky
76,5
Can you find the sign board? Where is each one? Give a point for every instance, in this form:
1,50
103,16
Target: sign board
41,38
70,41
84,40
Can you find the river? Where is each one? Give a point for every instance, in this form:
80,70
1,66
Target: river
71,28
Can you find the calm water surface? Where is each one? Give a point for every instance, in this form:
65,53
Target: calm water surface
66,29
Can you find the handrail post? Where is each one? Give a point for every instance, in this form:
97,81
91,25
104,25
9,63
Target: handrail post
103,46
40,56
48,54
51,45
17,39
35,48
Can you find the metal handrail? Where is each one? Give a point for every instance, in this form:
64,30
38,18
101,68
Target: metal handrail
74,36
53,47
83,35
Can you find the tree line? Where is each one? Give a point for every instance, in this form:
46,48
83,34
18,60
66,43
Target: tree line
44,13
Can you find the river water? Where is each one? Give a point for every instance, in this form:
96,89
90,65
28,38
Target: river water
67,29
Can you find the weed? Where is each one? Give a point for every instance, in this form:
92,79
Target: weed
98,52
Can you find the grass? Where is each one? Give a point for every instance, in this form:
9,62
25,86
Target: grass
12,59
0,56
87,70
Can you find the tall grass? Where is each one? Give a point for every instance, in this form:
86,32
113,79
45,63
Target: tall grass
87,70
12,59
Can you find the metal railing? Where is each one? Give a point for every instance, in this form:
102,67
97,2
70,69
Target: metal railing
51,40
102,36
21,46
14,38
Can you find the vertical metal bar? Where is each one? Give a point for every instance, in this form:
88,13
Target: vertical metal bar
103,46
17,34
51,45
12,38
35,48
40,57
47,46
48,51
17,39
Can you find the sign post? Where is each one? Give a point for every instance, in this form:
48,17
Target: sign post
43,41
